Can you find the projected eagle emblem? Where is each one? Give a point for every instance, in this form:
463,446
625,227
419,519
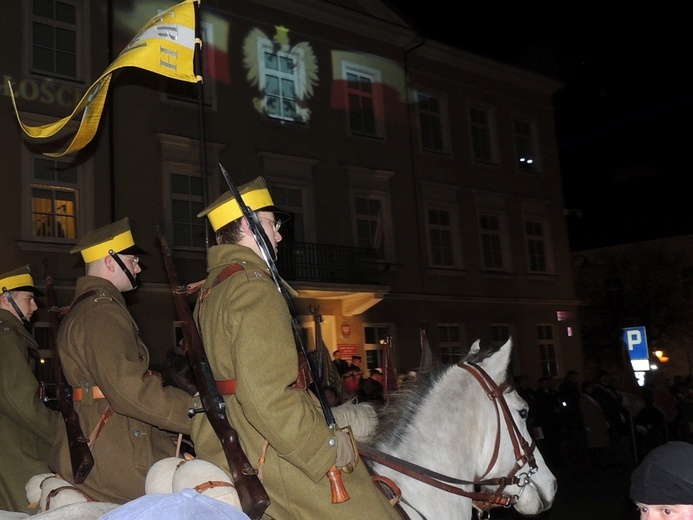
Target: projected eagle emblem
284,75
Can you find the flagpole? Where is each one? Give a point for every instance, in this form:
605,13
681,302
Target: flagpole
197,65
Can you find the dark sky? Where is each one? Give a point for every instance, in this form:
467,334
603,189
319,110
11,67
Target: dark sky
622,115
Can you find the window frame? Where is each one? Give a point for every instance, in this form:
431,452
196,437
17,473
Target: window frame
491,135
443,197
451,352
82,35
441,116
548,350
373,185
526,141
376,97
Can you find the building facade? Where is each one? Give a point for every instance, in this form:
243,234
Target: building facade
423,181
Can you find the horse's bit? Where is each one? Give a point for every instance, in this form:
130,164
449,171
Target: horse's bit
483,501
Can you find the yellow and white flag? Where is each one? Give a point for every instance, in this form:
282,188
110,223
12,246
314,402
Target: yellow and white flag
165,46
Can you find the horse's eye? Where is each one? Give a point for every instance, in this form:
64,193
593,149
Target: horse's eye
524,413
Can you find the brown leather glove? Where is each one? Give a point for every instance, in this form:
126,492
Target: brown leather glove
346,454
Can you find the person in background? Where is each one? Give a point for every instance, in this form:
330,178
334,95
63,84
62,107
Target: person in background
595,425
246,328
27,425
355,365
549,415
662,485
341,364
371,388
122,406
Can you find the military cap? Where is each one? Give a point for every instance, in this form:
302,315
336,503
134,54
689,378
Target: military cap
115,237
18,280
225,209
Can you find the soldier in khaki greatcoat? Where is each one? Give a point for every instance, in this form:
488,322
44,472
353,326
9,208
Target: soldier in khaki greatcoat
122,407
245,325
27,425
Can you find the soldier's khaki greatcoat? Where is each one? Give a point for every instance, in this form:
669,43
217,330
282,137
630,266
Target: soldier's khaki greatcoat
246,329
99,345
27,425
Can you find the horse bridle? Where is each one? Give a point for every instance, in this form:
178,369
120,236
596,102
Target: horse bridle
483,501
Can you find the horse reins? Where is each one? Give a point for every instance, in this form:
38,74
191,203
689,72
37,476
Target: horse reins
483,501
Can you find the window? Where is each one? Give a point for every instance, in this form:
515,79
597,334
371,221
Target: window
431,123
56,37
54,199
500,333
547,350
364,100
494,237
687,283
536,247
538,244
491,241
369,224
442,226
440,237
525,146
483,135
183,189
615,296
450,341
375,339
291,200
285,74
372,223
187,200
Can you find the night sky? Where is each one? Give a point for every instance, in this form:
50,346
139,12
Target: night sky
623,114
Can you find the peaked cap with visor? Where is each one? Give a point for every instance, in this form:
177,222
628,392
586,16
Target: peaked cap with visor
113,239
225,209
18,280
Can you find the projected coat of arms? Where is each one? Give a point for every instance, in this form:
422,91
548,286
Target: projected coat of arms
284,75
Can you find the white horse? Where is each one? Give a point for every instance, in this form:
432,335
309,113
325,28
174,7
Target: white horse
467,425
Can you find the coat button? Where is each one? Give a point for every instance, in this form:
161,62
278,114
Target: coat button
137,433
333,442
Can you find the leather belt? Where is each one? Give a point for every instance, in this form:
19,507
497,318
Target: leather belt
95,391
226,387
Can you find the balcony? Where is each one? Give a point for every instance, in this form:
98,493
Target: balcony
304,261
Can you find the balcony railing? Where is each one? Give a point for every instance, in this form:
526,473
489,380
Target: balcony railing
304,261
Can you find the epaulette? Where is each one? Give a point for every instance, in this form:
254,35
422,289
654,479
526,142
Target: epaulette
7,327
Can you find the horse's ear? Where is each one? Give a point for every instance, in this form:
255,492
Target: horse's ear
497,364
475,348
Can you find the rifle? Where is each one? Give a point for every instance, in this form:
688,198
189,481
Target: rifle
251,492
339,492
80,455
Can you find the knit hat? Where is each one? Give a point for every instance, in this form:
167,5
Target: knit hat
665,476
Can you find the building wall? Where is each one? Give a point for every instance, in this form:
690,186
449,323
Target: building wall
125,164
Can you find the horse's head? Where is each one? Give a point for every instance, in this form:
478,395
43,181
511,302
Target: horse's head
516,452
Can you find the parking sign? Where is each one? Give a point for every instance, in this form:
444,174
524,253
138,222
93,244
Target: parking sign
635,339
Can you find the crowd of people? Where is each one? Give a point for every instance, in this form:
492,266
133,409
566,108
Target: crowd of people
600,419
132,420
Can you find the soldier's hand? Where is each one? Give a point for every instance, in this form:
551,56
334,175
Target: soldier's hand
346,452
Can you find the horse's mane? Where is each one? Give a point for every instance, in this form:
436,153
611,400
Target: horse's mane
396,416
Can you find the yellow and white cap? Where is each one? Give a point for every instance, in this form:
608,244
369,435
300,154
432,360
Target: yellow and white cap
115,237
225,209
18,280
